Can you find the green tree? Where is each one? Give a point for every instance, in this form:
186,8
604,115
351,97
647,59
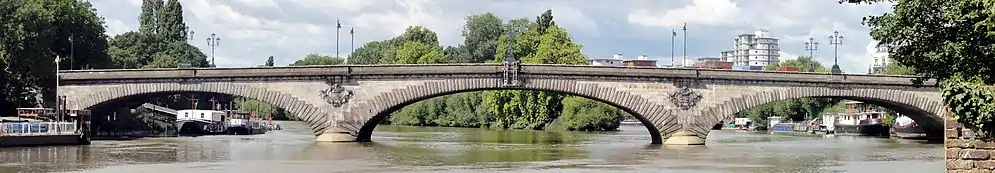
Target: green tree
269,62
940,39
316,59
803,63
417,53
480,35
259,108
894,68
147,18
950,41
170,21
33,33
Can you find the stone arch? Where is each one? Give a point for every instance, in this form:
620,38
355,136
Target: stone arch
923,110
361,119
312,115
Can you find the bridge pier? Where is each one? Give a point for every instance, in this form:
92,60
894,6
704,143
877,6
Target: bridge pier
684,137
335,135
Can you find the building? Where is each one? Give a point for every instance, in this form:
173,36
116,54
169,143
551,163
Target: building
712,63
726,56
619,60
614,61
641,61
752,50
880,57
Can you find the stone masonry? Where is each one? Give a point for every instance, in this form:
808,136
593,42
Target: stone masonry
965,151
345,103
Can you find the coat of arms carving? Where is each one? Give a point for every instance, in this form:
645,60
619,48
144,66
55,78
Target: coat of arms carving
685,98
336,95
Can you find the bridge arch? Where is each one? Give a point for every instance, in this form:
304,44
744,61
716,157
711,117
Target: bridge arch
310,114
925,111
363,118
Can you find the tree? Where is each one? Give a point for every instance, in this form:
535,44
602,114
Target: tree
170,21
939,39
269,61
259,108
803,63
33,33
147,18
950,41
316,59
894,68
480,35
418,53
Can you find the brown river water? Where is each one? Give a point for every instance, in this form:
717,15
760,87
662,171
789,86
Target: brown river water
436,149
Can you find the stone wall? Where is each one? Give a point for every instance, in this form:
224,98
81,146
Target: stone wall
965,151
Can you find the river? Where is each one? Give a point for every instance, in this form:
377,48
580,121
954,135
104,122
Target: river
435,149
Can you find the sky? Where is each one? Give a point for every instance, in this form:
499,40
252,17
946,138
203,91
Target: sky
252,30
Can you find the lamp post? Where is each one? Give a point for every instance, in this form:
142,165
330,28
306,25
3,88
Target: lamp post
338,26
188,33
811,46
57,59
685,29
213,41
836,40
352,40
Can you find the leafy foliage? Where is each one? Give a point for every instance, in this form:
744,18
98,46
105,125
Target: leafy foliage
316,59
33,33
951,41
971,103
540,42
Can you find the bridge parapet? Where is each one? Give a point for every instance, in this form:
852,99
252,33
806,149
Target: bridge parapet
372,71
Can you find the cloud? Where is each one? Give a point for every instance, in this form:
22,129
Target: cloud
706,12
252,30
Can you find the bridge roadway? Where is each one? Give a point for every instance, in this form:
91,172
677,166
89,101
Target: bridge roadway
345,103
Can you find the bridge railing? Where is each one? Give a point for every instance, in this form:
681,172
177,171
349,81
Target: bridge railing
483,68
38,128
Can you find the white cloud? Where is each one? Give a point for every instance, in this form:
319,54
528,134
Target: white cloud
706,12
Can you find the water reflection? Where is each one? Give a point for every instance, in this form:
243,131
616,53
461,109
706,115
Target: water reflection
421,149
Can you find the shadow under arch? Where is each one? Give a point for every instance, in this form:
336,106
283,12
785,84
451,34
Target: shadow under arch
366,131
924,112
297,108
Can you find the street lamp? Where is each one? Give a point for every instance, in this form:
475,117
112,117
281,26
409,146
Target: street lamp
811,46
213,41
352,42
57,60
188,32
338,26
836,40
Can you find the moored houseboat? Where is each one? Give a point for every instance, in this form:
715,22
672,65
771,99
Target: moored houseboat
200,122
44,126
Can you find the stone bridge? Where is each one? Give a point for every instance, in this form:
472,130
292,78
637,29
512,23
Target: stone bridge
345,103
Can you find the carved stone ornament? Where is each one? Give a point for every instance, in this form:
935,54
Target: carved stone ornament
685,98
336,95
